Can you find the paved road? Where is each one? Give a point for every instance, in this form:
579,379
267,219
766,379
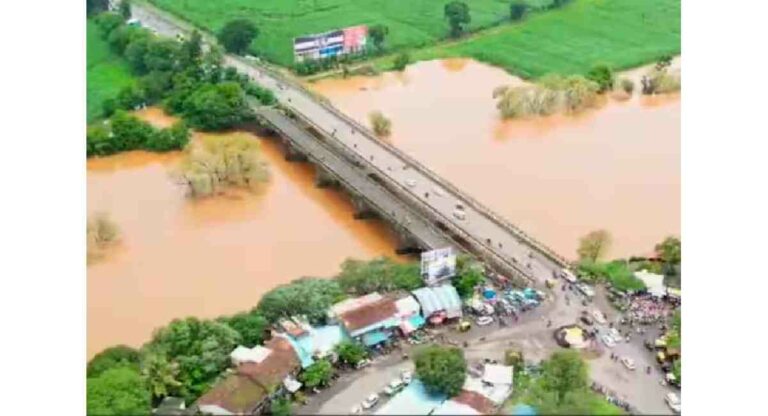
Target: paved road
389,205
482,227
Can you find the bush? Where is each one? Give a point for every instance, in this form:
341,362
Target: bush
236,36
380,274
217,106
113,357
381,125
318,374
310,297
660,82
517,10
401,61
351,353
603,76
627,85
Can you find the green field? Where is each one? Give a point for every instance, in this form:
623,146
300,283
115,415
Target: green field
106,72
622,33
411,23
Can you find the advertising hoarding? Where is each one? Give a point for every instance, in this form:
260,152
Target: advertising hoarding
438,265
346,41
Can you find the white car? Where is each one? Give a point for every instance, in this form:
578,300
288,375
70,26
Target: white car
371,401
615,335
673,402
437,191
599,317
608,341
459,215
406,376
484,320
356,410
629,363
393,387
410,182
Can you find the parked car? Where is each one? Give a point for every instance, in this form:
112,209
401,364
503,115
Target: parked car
615,335
371,401
484,320
393,387
586,319
459,215
608,341
629,363
410,182
586,290
673,401
406,376
599,317
568,276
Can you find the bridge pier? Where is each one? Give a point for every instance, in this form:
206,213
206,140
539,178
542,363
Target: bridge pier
406,244
362,209
323,179
293,155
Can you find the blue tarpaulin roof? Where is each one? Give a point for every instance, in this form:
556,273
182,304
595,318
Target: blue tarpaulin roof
375,337
523,410
417,321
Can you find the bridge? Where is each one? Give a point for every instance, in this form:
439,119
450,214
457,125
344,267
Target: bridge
382,179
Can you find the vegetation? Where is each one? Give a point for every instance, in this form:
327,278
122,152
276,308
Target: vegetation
93,7
381,274
457,13
380,124
594,245
517,10
351,353
603,76
627,85
217,106
237,35
669,250
378,34
216,162
280,407
101,232
617,273
660,80
113,357
106,73
124,9
561,387
318,374
310,297
441,369
466,281
551,94
117,391
401,61
199,348
251,326
125,132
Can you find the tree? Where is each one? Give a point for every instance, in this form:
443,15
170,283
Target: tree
162,55
117,391
191,49
556,4
594,245
378,34
237,35
564,372
457,13
217,106
125,9
441,369
306,296
280,407
216,162
517,10
669,250
94,7
401,61
101,232
251,326
351,352
199,347
173,138
161,375
128,131
113,357
602,75
627,85
318,374
380,274
466,282
381,125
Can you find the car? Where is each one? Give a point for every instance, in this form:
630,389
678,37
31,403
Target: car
585,290
370,401
599,317
615,335
437,191
673,401
363,363
484,320
410,182
568,276
393,387
586,319
459,215
356,410
629,363
406,376
608,340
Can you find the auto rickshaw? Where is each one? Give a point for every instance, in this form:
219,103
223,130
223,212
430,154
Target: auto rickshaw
463,326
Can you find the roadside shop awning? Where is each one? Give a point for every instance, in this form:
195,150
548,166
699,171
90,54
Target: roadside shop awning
376,337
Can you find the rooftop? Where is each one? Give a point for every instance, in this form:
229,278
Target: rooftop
477,401
272,370
368,314
237,394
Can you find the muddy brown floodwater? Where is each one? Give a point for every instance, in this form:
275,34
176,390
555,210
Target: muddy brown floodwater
211,257
559,177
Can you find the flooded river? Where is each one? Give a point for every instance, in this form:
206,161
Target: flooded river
559,177
215,256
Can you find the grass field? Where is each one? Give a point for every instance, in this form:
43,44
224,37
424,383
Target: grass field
106,72
623,33
412,23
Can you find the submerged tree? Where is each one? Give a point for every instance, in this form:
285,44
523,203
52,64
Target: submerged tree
381,125
594,245
101,232
216,162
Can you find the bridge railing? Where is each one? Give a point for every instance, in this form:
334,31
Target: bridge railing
551,254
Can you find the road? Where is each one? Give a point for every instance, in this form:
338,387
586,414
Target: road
484,228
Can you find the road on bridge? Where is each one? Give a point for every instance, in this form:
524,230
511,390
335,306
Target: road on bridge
480,224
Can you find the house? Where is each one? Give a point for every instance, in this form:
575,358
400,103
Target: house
369,318
653,282
242,354
408,312
310,343
248,389
467,403
439,303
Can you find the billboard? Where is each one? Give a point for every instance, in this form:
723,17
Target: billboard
346,41
438,265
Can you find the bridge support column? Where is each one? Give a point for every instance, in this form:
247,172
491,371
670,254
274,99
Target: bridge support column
406,244
293,155
323,179
362,209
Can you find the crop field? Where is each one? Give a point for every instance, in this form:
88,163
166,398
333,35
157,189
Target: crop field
412,23
622,33
106,72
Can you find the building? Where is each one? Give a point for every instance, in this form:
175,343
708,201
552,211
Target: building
408,312
248,389
414,399
311,343
242,355
439,303
653,282
369,319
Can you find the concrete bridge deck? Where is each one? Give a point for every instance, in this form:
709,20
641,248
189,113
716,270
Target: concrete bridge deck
481,232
